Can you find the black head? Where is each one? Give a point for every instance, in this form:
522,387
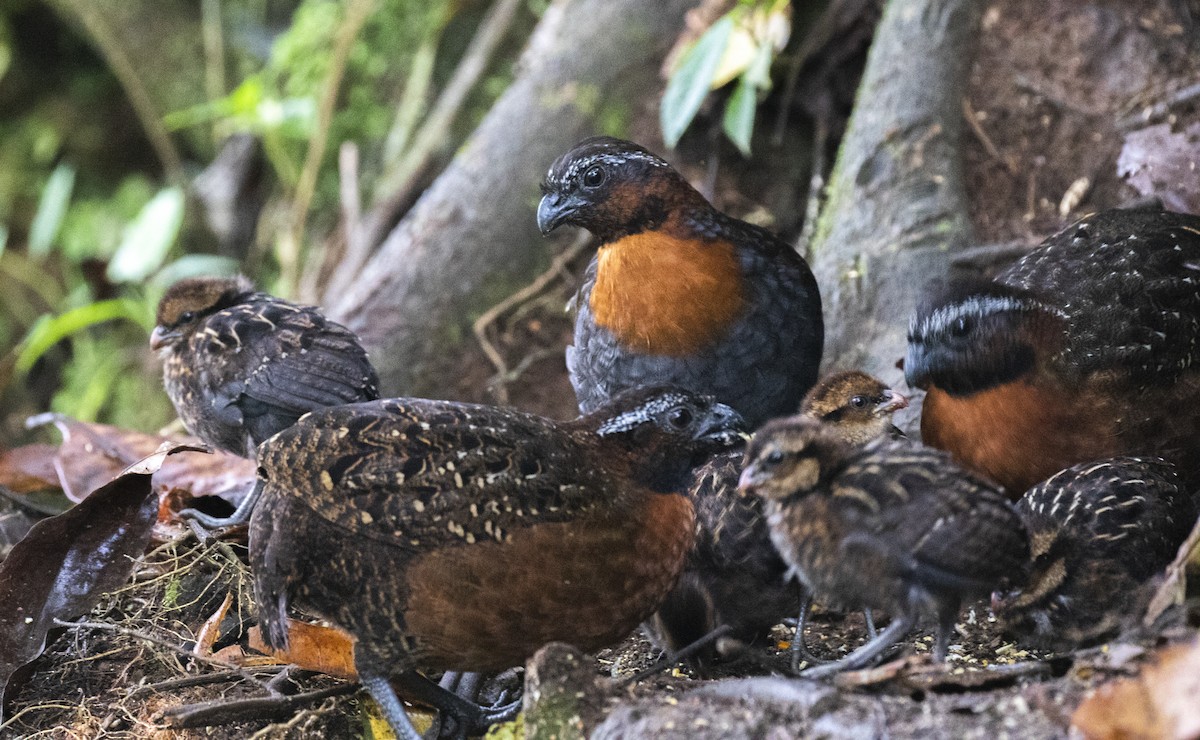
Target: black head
977,337
612,188
666,431
792,457
189,301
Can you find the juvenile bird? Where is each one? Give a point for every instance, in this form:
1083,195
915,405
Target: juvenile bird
680,292
734,578
1099,532
457,537
890,525
241,365
1083,349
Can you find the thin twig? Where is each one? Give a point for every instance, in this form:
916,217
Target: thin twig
973,121
214,61
156,640
816,180
1151,114
98,28
396,183
475,61
223,712
12,720
539,284
357,13
202,680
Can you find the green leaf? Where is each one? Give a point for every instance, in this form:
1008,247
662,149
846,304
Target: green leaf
50,211
758,73
148,239
739,114
50,330
691,82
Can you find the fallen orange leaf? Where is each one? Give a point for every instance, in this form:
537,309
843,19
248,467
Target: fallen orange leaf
211,629
313,648
1163,701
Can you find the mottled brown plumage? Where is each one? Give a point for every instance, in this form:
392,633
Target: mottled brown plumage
734,576
1099,533
241,365
449,536
680,292
890,525
1085,348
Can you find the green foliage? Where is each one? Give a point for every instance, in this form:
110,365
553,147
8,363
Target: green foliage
148,238
51,209
90,235
689,85
740,45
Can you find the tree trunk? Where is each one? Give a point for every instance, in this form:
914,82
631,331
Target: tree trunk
897,205
472,238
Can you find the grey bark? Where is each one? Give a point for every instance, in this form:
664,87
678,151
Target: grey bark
897,207
472,238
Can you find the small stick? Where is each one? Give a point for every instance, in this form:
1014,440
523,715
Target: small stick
155,640
490,316
273,708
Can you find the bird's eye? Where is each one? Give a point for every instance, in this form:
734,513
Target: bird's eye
775,457
859,402
680,417
186,316
961,327
593,177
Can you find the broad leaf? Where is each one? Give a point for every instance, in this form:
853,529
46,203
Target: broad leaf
148,239
66,562
52,207
91,454
691,82
739,115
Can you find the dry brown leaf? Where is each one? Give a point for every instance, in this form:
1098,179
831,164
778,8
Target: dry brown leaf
313,648
211,629
29,468
92,454
1163,701
66,562
231,654
1173,586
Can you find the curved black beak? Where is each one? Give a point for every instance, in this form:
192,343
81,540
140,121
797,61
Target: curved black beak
553,210
723,426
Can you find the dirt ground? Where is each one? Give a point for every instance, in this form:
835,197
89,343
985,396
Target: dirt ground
1057,87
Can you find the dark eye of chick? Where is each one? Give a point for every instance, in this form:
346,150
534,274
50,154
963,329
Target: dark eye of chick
186,316
859,402
593,177
775,457
961,327
680,417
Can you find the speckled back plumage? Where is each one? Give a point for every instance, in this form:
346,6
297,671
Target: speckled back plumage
1129,283
463,537
890,525
1099,533
1082,350
756,344
734,575
241,373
